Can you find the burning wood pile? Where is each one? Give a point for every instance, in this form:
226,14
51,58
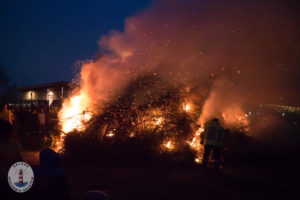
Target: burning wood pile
166,77
148,107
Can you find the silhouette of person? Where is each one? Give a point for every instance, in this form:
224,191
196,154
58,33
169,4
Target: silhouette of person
50,182
9,154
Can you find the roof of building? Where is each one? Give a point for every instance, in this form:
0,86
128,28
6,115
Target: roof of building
55,85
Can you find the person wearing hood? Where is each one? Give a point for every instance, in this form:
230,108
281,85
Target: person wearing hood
50,182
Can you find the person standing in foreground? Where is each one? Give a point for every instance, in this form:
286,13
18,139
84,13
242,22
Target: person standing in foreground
213,140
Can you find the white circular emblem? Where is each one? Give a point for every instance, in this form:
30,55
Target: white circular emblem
20,177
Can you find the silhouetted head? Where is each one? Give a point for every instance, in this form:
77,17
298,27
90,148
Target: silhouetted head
5,130
49,158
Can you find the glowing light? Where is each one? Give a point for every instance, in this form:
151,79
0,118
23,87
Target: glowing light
50,97
195,145
197,160
191,143
169,145
30,95
73,115
110,134
159,121
187,107
199,131
131,134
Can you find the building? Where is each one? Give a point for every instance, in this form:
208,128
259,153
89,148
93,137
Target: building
44,94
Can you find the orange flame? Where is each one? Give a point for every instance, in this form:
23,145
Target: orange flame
169,145
73,114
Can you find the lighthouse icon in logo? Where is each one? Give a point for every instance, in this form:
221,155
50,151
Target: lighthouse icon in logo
20,177
20,183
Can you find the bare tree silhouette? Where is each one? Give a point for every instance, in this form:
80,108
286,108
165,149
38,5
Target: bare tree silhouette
8,92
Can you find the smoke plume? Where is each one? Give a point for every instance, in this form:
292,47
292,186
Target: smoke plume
242,52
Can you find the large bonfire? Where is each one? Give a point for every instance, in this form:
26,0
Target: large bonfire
176,113
168,75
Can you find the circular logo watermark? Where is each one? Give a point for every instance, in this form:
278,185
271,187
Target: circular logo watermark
20,177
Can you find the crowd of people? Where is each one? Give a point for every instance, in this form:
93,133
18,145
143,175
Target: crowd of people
29,120
49,177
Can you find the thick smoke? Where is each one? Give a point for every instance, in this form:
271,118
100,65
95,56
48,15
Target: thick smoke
243,53
224,102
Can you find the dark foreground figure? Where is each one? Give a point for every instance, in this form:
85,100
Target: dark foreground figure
9,154
49,180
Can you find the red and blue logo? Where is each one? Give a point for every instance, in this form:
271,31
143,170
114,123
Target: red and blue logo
20,177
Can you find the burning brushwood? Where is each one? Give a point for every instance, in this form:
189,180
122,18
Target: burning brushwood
171,115
74,115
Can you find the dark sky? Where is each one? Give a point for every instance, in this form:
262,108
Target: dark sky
40,41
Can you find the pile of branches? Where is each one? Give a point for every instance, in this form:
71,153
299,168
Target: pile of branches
137,123
148,122
148,106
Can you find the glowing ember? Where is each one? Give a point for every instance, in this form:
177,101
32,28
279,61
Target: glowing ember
59,142
199,131
191,143
169,145
73,115
187,107
110,134
159,121
195,144
131,134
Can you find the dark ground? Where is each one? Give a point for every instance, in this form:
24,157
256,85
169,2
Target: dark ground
176,182
266,167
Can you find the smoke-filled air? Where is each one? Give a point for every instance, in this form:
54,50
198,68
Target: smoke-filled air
223,58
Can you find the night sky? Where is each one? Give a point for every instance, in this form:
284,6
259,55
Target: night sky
41,41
